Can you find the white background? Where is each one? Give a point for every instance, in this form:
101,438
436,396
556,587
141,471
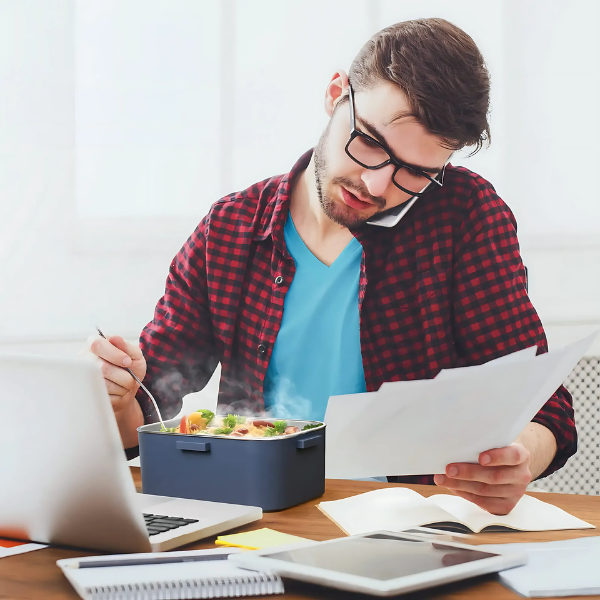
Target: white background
122,121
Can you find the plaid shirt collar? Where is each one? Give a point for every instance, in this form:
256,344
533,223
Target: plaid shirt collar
276,212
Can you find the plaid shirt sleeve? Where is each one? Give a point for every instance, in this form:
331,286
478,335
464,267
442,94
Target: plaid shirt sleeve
179,344
493,315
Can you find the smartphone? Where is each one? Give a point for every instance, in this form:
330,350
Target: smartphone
392,217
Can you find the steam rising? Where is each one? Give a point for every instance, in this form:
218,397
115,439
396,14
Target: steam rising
239,397
289,404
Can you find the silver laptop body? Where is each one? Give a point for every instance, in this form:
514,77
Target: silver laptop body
64,478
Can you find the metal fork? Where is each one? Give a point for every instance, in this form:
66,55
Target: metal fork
162,425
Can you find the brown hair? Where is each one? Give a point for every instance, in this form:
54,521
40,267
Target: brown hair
441,71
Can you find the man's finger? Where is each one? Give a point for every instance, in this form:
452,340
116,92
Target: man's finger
118,403
475,472
117,375
515,454
496,506
476,487
131,350
115,389
110,353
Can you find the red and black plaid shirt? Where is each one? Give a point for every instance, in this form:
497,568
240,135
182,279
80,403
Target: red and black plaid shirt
444,288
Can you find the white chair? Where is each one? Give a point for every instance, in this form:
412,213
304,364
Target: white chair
581,474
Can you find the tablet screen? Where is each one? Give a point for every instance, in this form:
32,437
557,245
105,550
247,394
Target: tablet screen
381,556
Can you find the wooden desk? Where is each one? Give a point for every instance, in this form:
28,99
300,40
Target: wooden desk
35,575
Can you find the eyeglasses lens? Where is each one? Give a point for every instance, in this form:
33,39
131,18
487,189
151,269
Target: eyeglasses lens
370,154
367,153
410,180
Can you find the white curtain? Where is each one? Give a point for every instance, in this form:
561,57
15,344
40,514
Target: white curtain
122,121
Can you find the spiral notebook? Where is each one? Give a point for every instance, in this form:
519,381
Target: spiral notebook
191,574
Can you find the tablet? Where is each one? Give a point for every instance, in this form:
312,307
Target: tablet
381,563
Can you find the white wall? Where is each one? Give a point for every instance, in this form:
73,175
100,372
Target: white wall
553,128
122,121
37,133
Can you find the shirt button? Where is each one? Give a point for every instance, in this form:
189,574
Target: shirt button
279,280
262,349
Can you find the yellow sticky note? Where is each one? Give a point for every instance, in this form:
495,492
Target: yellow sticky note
258,539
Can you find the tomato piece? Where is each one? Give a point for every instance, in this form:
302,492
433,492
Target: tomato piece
183,426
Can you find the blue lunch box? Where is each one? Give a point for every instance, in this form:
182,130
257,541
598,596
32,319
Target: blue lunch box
273,473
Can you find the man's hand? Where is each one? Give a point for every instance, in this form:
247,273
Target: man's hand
496,483
115,355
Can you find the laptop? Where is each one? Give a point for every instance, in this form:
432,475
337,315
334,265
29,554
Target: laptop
64,478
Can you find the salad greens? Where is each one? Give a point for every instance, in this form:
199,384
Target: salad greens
279,426
223,430
207,414
233,420
168,429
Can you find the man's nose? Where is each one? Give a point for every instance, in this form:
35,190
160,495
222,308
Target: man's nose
378,180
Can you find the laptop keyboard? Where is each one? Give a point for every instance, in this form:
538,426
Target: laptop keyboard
161,523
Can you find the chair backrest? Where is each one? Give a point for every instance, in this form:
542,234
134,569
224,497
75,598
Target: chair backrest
581,474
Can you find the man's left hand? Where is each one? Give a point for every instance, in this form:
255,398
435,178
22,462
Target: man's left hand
497,483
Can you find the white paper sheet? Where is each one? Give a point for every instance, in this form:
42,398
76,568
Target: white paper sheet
563,568
513,357
11,548
418,427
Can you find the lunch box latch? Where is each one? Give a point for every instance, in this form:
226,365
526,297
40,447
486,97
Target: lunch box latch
194,446
308,442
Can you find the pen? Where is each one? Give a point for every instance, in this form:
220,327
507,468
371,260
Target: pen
158,560
162,425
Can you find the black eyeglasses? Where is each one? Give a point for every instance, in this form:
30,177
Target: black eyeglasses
371,154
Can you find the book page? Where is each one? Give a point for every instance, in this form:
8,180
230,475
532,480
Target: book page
530,514
392,509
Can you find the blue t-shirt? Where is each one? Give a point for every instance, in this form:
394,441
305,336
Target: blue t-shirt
317,350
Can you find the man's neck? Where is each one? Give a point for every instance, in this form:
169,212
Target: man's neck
324,238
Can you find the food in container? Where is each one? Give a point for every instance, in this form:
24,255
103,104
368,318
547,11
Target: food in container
276,464
204,422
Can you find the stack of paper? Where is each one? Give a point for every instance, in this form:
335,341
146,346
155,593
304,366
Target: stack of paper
399,509
418,427
564,568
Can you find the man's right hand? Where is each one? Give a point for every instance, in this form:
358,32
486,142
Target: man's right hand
115,355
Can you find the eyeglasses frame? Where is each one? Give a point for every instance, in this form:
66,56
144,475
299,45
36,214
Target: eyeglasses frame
438,180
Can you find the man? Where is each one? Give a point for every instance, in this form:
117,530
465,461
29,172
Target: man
293,287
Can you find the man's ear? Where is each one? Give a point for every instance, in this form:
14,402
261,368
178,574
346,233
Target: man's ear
337,88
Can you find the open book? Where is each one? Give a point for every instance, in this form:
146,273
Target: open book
398,509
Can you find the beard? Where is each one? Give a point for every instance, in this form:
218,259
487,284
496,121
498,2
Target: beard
340,213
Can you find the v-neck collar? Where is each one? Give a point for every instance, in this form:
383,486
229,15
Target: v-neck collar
296,244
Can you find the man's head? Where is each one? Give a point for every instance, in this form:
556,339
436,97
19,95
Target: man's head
421,90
